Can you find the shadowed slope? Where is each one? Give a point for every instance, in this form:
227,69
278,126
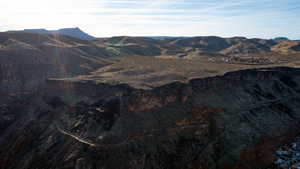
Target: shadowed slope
27,59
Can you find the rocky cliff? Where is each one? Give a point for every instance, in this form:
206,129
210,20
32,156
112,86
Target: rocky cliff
235,121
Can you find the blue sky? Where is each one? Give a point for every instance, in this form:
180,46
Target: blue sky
226,18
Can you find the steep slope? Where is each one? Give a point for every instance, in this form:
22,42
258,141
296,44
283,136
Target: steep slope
27,59
233,121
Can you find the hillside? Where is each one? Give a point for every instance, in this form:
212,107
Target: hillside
27,60
235,121
138,61
148,63
215,49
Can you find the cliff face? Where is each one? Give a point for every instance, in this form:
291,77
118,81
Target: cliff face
234,121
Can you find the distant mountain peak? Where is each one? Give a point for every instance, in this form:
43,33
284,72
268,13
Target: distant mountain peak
75,28
281,38
75,32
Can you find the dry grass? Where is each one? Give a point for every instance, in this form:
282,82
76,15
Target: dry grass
147,72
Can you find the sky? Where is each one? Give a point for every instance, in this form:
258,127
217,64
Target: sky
104,18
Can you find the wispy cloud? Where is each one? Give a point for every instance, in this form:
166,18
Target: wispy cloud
252,18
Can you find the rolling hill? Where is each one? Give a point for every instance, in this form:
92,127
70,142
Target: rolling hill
27,59
138,61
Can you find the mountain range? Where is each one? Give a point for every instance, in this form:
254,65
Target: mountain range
139,61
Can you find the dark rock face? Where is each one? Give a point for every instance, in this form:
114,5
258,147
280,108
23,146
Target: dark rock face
6,117
234,121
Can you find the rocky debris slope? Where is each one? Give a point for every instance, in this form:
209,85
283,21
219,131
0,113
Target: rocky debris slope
233,121
288,156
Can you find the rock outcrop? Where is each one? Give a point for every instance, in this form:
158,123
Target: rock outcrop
233,121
